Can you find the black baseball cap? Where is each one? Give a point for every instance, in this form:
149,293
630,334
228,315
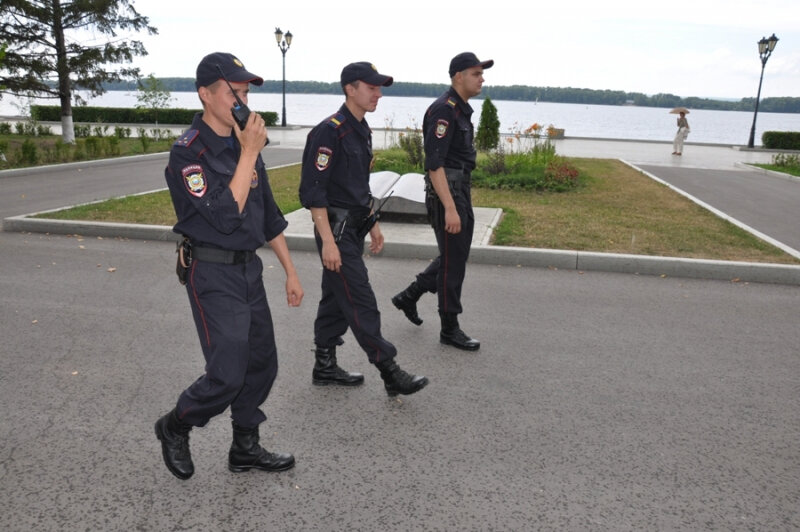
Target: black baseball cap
208,71
366,72
467,60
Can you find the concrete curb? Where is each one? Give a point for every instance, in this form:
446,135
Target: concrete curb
480,254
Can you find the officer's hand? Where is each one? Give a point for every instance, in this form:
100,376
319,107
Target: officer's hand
375,239
452,221
294,291
331,258
254,135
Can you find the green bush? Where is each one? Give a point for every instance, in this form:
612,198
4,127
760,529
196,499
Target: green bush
394,160
29,154
488,136
125,115
411,144
781,140
536,168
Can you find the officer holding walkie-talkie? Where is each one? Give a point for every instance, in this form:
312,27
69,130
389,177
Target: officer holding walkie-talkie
226,211
334,186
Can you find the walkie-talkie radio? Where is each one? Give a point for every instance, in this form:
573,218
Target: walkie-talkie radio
240,111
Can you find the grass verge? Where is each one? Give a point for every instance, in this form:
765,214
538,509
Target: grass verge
616,210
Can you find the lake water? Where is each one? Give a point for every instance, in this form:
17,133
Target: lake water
578,120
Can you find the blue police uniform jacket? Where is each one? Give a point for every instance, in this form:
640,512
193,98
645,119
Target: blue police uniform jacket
336,163
201,166
448,133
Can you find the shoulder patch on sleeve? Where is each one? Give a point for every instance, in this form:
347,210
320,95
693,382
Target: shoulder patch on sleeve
323,158
194,180
335,121
187,138
441,128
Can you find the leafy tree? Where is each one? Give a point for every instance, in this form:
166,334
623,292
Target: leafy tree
488,128
152,94
2,55
50,51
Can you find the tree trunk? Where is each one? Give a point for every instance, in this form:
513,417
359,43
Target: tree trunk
64,88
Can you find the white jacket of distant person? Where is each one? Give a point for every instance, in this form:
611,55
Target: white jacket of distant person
680,136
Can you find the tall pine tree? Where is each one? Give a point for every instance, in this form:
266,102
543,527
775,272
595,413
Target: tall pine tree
48,54
488,136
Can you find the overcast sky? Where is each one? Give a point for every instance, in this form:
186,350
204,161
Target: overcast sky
703,48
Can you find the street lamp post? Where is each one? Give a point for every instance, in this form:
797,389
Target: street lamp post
283,46
765,47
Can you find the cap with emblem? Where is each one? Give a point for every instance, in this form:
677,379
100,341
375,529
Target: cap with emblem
208,71
467,60
366,72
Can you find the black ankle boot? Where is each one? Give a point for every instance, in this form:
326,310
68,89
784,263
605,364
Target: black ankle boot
174,437
396,381
453,335
327,371
407,302
247,454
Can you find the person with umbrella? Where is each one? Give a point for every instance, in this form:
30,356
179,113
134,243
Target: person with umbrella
683,130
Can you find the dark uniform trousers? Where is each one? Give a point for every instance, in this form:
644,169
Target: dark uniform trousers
348,301
230,309
445,274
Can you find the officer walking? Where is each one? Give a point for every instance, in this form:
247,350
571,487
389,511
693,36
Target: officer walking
226,211
334,186
449,160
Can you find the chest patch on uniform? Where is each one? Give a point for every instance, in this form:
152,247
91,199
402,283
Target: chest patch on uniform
441,128
323,158
254,179
194,179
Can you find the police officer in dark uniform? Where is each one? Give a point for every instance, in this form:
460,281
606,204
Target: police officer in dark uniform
226,211
449,160
334,186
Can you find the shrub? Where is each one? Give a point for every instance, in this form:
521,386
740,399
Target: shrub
787,160
143,138
411,144
781,140
560,175
92,146
488,136
111,145
28,152
5,128
394,160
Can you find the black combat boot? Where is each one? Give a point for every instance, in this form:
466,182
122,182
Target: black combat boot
453,335
247,454
174,437
398,381
407,302
327,371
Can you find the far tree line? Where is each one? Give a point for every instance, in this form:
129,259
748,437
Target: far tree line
510,93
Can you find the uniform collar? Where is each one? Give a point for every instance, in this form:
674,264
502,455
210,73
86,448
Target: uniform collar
466,108
361,127
213,141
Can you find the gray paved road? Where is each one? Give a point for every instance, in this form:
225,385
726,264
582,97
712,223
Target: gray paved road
597,402
39,189
766,203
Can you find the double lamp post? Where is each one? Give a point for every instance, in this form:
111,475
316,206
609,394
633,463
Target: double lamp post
765,47
283,46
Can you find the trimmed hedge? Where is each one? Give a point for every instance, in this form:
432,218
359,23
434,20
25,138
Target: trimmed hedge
781,140
127,115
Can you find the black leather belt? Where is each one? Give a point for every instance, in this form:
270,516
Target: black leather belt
221,256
